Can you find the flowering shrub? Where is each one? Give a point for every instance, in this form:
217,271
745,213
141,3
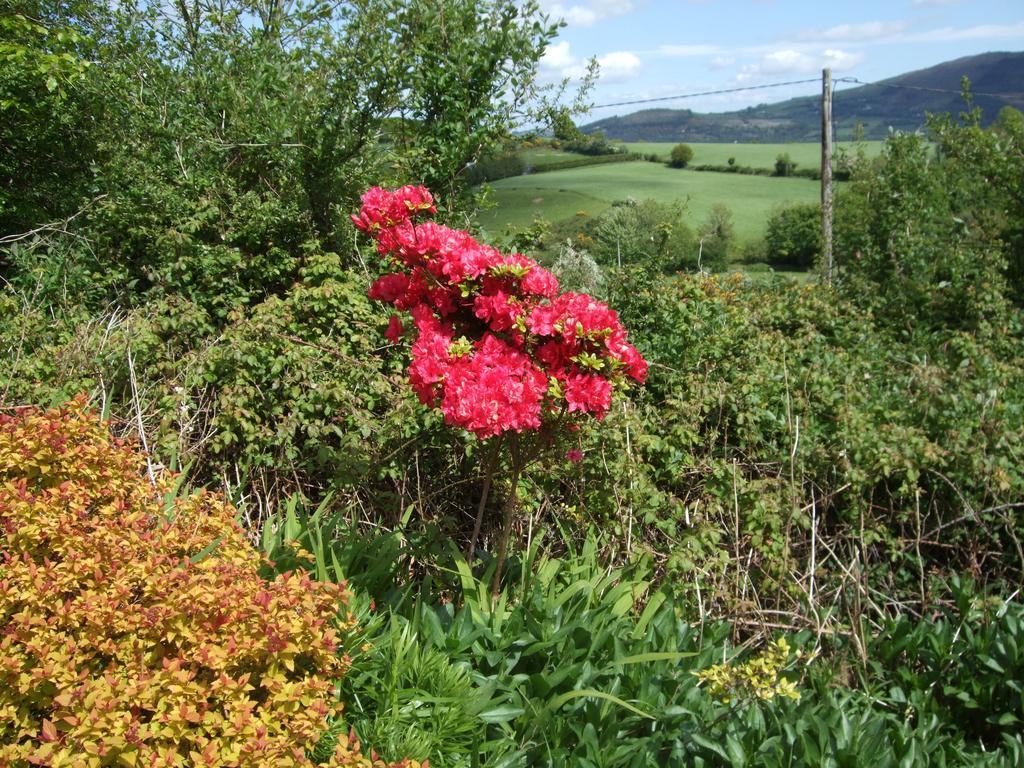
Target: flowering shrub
496,346
758,678
135,628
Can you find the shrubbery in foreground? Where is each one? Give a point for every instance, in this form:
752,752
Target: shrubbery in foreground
137,629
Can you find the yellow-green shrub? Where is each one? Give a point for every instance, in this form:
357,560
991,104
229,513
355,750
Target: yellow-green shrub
135,628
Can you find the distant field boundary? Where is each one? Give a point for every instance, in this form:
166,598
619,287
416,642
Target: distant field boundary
746,170
581,162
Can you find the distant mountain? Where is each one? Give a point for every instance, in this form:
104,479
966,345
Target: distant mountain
899,102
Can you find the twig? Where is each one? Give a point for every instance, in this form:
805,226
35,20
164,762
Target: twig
52,226
138,415
492,462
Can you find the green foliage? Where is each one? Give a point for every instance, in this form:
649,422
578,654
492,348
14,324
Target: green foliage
915,246
577,271
256,128
51,106
562,126
471,68
784,165
965,666
717,237
646,236
755,154
578,664
680,156
584,162
793,236
885,440
494,167
983,172
595,144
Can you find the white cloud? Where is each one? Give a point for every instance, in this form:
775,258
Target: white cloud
557,57
793,62
865,32
722,62
618,66
980,32
588,13
615,67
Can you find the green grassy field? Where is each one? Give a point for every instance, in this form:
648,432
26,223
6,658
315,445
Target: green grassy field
538,157
560,194
753,155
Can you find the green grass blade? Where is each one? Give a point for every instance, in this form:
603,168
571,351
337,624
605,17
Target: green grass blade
558,701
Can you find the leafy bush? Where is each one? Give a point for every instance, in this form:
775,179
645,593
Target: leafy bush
497,166
680,156
137,626
912,246
716,238
52,106
983,172
784,165
892,444
298,387
576,663
793,236
965,666
584,162
646,235
577,271
253,128
596,144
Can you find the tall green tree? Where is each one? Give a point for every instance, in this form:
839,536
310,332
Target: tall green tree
470,76
224,140
49,110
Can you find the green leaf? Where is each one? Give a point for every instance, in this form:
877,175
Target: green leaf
502,714
206,551
558,701
642,658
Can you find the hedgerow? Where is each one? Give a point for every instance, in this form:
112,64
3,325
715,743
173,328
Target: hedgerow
137,628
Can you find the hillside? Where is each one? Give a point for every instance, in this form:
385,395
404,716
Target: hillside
899,102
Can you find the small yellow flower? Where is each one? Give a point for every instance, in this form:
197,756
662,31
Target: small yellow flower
757,678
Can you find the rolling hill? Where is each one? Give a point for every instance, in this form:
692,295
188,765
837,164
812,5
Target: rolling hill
900,103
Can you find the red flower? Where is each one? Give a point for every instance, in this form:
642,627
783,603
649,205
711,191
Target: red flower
494,390
515,331
540,282
394,331
382,208
588,393
499,310
430,360
389,287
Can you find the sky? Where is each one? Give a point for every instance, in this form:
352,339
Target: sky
657,48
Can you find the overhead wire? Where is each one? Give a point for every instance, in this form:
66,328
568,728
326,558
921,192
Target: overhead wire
738,89
924,88
706,93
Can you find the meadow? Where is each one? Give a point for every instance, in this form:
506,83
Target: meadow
804,154
540,157
591,191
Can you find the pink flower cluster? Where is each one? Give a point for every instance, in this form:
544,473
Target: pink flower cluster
496,346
